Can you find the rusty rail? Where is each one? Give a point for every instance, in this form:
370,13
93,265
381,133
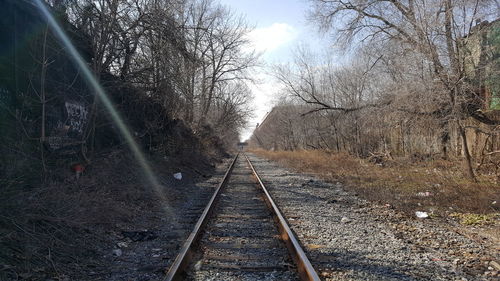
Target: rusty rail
304,267
306,270
182,260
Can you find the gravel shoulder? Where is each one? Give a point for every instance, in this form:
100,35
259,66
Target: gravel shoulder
348,238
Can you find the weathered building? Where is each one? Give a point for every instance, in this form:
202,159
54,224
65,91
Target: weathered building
481,52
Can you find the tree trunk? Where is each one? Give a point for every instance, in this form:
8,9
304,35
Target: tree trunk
444,138
402,140
469,172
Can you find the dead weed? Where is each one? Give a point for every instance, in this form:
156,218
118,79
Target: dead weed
434,185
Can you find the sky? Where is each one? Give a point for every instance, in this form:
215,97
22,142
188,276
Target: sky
280,26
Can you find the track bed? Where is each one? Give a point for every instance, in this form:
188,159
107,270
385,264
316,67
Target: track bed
241,235
241,241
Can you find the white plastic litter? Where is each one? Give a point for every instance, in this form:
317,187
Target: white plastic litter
421,215
178,176
424,194
197,266
122,245
345,220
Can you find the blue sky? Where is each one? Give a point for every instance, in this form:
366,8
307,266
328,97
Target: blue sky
280,25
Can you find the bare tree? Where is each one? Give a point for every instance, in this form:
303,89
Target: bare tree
327,87
433,29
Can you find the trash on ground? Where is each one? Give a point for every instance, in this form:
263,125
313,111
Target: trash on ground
421,215
117,252
178,176
424,194
197,266
495,265
122,244
315,246
345,220
78,169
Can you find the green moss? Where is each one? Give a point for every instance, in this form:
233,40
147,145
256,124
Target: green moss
474,219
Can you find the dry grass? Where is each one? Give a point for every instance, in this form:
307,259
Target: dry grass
399,182
62,229
54,231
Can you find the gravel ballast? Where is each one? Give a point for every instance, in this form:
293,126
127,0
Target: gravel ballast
348,238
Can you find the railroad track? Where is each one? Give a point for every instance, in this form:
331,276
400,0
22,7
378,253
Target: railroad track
241,235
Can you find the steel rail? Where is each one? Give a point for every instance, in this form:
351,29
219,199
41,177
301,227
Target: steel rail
183,258
305,269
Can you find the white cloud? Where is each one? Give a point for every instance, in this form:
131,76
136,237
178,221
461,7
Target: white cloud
264,99
268,39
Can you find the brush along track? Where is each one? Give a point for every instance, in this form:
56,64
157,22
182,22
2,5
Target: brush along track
236,237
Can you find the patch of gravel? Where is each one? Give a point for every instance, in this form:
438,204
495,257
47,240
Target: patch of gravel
348,238
216,275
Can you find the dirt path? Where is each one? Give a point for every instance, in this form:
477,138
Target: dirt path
348,238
